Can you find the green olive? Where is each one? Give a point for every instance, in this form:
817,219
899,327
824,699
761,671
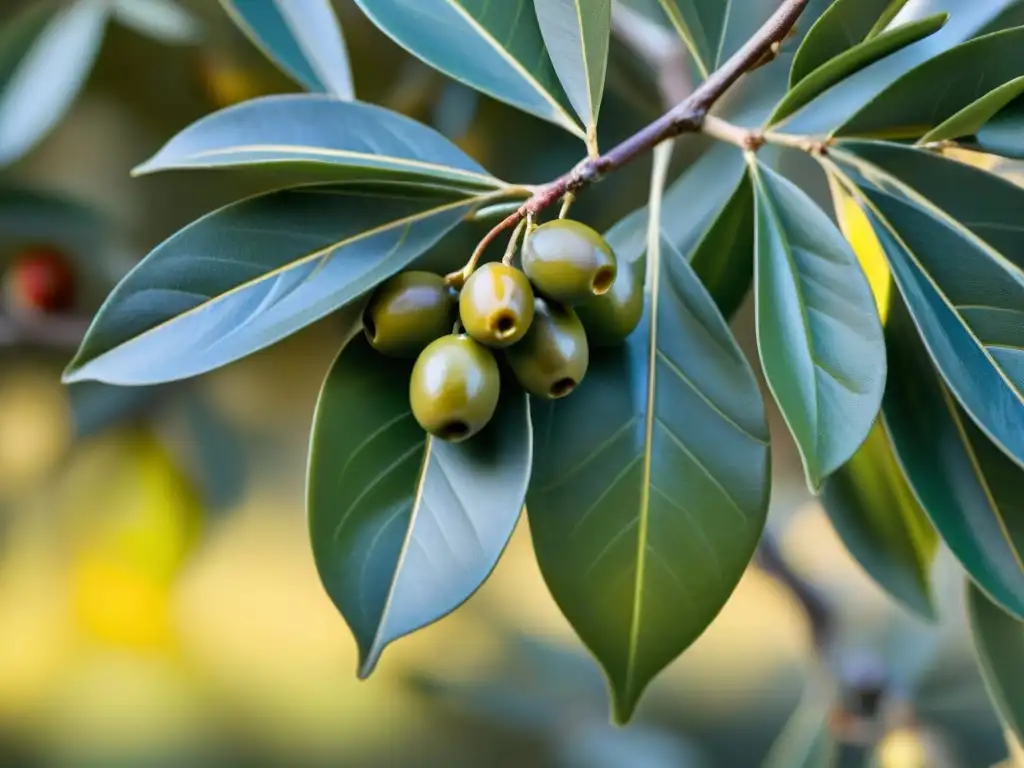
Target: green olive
610,318
568,262
552,358
454,387
496,305
408,312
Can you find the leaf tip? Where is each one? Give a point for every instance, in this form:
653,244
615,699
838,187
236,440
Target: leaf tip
368,659
623,709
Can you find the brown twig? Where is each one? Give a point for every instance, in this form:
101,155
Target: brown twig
686,117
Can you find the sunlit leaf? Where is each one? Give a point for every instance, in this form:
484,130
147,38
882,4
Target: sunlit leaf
304,39
249,274
873,509
968,488
46,53
406,527
913,105
845,25
713,30
495,47
644,519
999,643
819,336
576,33
971,118
951,234
163,20
296,139
853,60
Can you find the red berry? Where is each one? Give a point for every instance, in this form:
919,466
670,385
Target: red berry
40,280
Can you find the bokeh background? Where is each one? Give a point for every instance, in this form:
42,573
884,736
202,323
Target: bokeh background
158,599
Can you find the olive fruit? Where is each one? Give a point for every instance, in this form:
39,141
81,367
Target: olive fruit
552,358
454,387
610,318
408,312
496,305
40,281
568,262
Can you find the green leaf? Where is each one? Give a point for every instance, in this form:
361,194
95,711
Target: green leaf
163,20
999,643
707,215
951,234
805,741
968,488
650,484
714,30
303,138
845,25
1004,133
303,39
251,273
880,522
577,34
913,105
495,47
972,117
46,53
406,527
818,332
852,60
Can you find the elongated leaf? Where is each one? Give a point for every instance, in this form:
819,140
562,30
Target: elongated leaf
968,488
964,293
713,30
1004,133
405,527
163,20
853,60
708,216
971,118
644,519
249,274
819,336
304,39
912,106
999,643
577,33
495,47
845,25
805,741
46,54
297,139
873,509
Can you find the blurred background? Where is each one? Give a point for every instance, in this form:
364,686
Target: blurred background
159,603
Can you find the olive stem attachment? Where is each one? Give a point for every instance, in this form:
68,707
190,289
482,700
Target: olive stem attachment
688,116
567,202
513,244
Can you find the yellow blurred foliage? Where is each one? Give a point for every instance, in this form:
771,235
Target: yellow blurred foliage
34,427
226,82
135,519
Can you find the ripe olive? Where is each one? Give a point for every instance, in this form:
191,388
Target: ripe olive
496,305
408,312
610,318
568,262
454,387
40,281
552,358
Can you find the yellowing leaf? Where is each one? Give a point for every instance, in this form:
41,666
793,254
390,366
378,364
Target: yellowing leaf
857,230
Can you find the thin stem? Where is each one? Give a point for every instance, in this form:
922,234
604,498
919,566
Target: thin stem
688,116
719,129
567,202
513,242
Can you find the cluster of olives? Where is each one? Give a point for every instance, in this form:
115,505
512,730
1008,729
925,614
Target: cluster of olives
569,294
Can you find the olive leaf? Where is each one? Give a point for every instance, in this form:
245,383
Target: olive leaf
999,643
495,47
304,39
253,272
818,332
405,527
650,484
